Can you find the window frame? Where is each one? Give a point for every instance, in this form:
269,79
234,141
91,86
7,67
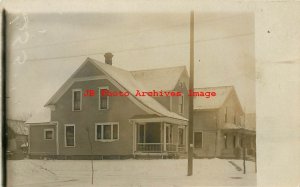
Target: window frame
65,134
99,99
183,137
111,133
181,106
52,130
201,140
226,115
73,91
226,141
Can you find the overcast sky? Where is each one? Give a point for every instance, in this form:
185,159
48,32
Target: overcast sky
41,51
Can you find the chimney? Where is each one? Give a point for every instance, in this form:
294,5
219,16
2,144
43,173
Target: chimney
108,58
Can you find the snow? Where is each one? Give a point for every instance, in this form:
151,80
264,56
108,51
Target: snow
213,102
42,116
159,79
139,173
126,79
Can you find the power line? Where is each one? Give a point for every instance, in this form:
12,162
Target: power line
142,48
118,35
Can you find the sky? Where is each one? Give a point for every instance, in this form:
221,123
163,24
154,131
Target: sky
41,47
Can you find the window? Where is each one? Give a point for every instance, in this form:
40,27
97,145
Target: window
107,131
76,100
181,104
198,139
103,98
70,135
180,136
226,114
48,134
225,140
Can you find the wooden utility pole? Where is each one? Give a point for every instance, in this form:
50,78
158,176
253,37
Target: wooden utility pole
191,99
244,143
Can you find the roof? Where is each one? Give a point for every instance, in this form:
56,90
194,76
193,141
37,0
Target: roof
18,127
201,103
234,127
130,81
127,80
41,116
156,79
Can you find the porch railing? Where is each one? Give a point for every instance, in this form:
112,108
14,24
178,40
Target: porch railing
156,147
150,147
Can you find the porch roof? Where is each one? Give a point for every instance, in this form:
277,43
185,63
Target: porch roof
230,127
155,118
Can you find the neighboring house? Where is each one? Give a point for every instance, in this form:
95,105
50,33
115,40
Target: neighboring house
219,129
72,125
17,136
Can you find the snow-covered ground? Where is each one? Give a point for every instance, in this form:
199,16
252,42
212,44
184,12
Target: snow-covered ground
133,173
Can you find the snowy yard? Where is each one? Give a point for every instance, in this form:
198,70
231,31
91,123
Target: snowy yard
135,173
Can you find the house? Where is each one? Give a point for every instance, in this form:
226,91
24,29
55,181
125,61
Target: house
79,122
71,125
17,134
219,125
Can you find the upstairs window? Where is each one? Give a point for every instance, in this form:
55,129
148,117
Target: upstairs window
103,98
107,131
181,104
76,99
226,115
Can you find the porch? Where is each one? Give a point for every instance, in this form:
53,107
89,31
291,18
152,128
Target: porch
237,139
158,137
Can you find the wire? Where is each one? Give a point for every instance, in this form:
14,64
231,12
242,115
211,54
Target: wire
141,48
118,35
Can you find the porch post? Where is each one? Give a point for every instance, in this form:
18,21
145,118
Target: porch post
134,137
161,135
165,137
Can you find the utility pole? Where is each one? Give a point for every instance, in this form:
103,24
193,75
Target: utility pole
191,99
244,143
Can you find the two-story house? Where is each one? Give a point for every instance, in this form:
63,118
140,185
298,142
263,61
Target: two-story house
72,125
219,129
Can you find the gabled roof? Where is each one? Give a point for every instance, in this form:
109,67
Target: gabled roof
222,93
159,79
127,81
